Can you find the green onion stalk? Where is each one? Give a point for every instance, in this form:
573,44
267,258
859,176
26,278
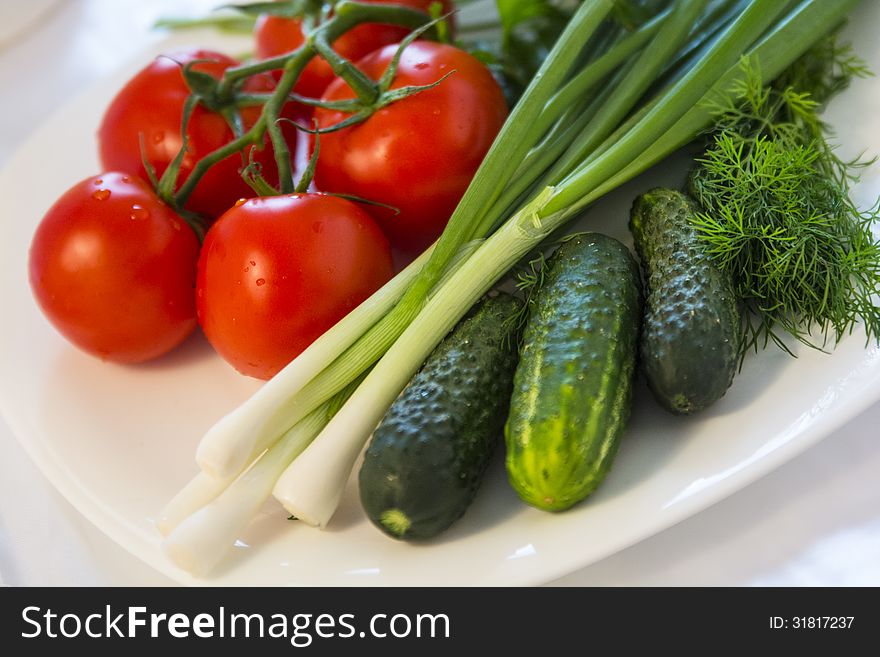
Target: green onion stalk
508,211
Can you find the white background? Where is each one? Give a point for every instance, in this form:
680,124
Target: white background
815,521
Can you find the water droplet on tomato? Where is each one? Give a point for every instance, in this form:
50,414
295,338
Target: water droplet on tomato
126,179
261,281
174,223
138,212
253,264
422,66
99,181
101,194
158,136
247,269
240,202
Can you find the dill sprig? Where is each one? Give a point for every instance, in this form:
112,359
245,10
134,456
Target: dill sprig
529,279
777,211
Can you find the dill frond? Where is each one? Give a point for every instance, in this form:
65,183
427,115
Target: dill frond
777,211
529,280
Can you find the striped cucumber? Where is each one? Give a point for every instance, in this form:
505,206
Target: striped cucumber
573,385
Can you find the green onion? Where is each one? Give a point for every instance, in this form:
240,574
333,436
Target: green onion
199,541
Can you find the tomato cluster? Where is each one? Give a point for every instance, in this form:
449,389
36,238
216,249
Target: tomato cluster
116,264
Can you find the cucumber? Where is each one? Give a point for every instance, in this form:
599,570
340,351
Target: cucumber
690,344
427,457
573,385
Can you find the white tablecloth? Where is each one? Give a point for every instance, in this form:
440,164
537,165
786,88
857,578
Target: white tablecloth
815,521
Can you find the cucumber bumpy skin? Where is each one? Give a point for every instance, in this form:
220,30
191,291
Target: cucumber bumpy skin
427,457
690,346
573,385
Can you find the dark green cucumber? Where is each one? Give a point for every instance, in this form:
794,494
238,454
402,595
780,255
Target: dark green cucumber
690,342
573,385
426,459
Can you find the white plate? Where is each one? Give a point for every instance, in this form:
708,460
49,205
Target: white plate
119,441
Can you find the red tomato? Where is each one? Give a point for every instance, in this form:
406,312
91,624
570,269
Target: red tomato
277,272
151,105
276,35
113,269
417,154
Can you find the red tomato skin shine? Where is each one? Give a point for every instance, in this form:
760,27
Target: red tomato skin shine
417,154
276,35
151,105
113,269
277,272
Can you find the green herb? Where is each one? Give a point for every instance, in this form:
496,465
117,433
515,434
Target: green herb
778,213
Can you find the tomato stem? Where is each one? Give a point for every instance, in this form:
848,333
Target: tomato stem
253,176
348,14
364,88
